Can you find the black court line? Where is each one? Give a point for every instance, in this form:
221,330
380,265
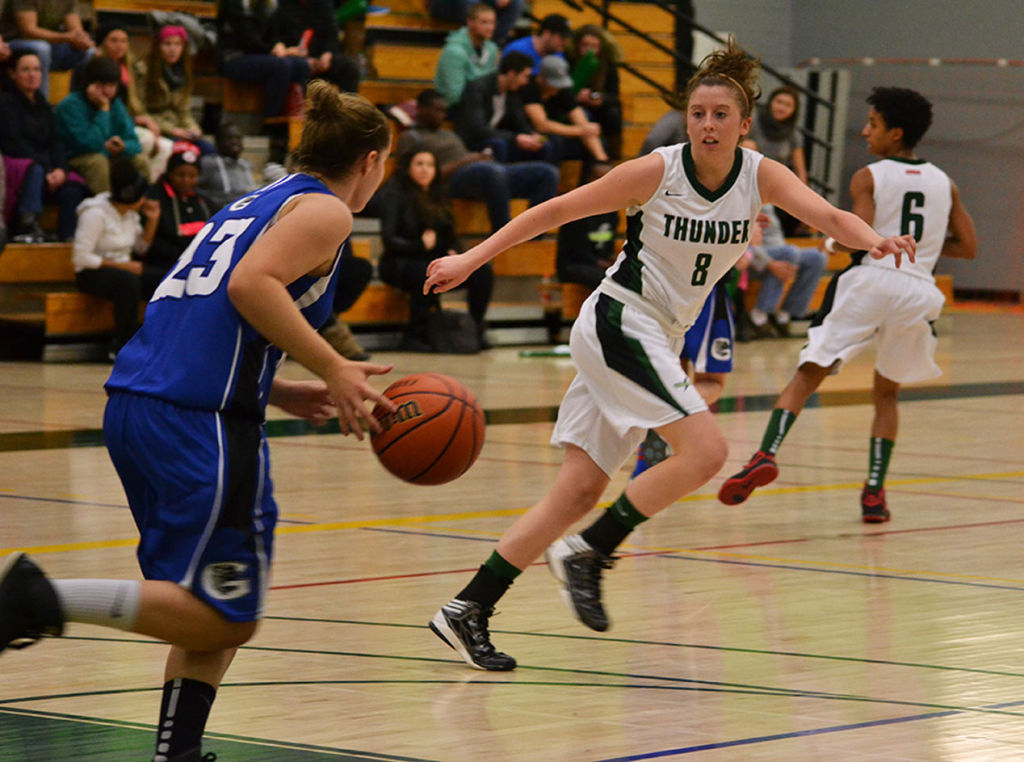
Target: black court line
18,441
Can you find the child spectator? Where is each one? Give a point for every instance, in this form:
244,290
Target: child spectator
29,130
468,53
225,176
109,232
95,127
165,81
183,212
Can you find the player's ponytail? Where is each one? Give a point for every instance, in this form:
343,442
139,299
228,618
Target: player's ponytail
340,129
731,68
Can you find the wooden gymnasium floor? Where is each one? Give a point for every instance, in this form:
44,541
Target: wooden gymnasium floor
781,630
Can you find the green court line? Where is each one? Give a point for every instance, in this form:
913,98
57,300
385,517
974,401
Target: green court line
27,734
17,441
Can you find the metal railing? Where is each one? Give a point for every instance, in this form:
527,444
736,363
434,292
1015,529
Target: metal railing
812,141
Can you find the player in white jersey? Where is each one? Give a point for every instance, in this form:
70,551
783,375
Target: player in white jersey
690,211
871,301
192,456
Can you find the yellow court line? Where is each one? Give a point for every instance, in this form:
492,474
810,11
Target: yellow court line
397,521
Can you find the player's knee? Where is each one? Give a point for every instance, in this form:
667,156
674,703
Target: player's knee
234,634
714,453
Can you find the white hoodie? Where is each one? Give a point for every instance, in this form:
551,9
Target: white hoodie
104,233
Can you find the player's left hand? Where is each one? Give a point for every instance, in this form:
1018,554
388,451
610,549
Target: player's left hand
897,245
308,400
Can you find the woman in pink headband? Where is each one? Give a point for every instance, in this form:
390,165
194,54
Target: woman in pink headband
165,80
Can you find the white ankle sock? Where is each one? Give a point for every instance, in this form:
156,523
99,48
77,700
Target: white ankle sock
782,317
758,318
107,602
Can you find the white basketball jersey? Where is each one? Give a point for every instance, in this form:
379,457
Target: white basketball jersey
684,238
912,196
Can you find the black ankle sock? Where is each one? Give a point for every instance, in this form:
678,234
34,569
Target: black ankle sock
183,711
486,587
613,526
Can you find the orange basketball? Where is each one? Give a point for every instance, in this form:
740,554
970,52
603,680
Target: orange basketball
435,435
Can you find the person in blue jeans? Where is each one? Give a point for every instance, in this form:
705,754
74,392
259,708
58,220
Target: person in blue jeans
475,175
776,262
52,29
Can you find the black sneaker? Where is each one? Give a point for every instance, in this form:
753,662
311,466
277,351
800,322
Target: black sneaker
873,509
759,471
463,626
29,608
195,755
578,567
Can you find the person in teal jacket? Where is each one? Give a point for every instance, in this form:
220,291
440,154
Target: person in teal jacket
468,53
95,126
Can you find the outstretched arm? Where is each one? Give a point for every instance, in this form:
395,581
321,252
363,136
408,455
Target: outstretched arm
781,187
629,184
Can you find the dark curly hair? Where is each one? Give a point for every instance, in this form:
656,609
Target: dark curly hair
903,108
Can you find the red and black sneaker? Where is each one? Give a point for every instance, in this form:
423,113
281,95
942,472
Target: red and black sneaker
872,505
759,471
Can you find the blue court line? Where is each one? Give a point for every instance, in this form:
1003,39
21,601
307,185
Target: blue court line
848,572
796,734
491,540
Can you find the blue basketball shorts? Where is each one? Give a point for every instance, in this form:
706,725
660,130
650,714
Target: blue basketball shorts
198,485
709,341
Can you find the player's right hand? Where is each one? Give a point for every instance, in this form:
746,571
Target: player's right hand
446,273
350,390
897,245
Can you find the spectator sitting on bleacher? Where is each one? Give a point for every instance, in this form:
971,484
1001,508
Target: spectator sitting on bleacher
667,131
491,115
476,175
52,29
28,130
112,42
776,263
183,212
507,13
468,53
552,110
225,176
549,40
310,28
165,81
416,228
3,204
250,49
109,232
594,57
95,126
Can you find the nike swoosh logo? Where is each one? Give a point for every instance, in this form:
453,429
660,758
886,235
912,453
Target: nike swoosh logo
670,193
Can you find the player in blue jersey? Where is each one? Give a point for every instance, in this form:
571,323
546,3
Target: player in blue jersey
184,423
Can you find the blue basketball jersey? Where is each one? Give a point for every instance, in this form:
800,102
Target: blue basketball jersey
194,349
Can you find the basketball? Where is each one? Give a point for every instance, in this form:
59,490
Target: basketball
435,435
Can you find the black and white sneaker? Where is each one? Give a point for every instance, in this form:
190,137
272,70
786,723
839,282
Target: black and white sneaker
29,609
463,626
578,567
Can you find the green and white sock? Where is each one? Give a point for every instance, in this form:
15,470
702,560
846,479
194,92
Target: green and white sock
878,461
779,424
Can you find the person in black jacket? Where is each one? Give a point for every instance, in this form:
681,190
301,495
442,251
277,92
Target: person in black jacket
251,48
183,211
309,26
490,114
417,227
29,130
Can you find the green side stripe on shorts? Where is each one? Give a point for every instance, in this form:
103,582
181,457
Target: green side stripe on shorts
626,355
